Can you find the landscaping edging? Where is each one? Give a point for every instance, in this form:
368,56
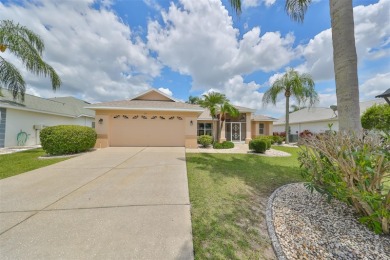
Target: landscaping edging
304,225
270,226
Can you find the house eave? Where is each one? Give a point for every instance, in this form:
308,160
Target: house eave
311,121
147,109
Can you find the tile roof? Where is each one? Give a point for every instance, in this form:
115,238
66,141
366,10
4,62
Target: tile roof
64,106
263,118
147,105
315,114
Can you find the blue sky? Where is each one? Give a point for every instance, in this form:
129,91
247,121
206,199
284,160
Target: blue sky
111,50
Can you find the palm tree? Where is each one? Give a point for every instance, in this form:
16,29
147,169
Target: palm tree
193,100
28,47
344,56
219,107
292,84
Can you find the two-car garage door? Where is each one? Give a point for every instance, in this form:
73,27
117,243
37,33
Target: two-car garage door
150,130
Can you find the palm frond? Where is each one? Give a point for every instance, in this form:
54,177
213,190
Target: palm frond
236,4
296,9
12,79
271,95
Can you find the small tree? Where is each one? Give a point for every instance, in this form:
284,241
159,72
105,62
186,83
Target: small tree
377,117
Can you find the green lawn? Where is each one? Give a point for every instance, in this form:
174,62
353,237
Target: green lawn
20,162
228,194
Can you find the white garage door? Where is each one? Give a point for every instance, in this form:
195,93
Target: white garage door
150,130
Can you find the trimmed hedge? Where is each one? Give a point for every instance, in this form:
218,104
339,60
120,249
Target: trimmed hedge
205,140
258,145
67,139
224,145
267,139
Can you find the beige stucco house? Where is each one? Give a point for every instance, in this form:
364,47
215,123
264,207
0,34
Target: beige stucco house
153,118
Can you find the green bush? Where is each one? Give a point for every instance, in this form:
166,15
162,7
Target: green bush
258,145
277,139
67,139
351,168
267,139
205,140
223,145
377,117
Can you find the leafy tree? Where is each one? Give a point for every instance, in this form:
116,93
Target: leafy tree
193,100
344,56
28,47
219,107
377,117
292,84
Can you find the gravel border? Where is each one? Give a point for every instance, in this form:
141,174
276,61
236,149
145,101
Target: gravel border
305,226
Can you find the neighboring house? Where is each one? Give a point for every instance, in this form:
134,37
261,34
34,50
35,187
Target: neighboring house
153,118
316,119
21,122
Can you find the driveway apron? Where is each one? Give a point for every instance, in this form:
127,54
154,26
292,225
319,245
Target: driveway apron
114,203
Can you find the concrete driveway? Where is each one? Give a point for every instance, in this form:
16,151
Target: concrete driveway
114,203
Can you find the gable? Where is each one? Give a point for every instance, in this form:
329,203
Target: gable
154,95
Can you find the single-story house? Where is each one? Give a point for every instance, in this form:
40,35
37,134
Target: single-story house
316,119
153,118
21,122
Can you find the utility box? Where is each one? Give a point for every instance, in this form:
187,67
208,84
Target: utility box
38,127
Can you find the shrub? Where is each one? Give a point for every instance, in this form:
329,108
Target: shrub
258,145
351,168
67,139
224,145
277,139
266,139
377,117
205,140
306,133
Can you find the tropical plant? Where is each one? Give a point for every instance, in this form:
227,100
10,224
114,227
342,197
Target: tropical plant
352,168
193,100
28,47
205,140
292,84
296,108
344,56
377,117
219,107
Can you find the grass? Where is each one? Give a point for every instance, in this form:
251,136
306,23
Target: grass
228,194
20,162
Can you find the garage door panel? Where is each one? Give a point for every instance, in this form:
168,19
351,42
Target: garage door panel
147,132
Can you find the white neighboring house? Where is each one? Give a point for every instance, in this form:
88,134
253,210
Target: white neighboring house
21,122
317,119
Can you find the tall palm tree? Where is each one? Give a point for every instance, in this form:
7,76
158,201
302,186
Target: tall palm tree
219,107
344,56
193,100
292,84
28,47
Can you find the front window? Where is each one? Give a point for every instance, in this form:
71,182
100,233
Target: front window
205,129
261,128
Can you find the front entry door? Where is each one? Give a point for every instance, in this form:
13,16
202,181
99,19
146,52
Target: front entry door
236,132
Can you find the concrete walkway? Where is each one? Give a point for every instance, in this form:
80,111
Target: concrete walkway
122,203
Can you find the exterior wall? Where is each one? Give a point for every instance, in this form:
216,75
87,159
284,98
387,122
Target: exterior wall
104,130
268,128
19,120
314,127
248,135
3,117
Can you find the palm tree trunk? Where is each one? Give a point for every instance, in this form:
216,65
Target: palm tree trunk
345,65
287,119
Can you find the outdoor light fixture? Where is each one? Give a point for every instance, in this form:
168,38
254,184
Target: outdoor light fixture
101,121
191,123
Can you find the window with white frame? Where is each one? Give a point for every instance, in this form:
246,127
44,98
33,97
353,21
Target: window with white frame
205,129
261,129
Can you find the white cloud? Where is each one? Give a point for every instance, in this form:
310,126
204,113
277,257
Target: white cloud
372,36
198,39
80,46
256,3
166,91
375,86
